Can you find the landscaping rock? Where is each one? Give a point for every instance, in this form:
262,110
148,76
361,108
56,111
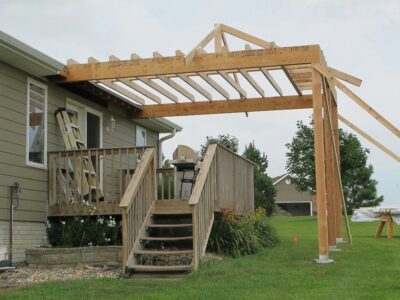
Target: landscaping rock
27,275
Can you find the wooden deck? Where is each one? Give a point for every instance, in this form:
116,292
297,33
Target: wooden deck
115,168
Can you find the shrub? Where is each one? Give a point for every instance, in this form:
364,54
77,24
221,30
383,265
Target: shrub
84,231
236,235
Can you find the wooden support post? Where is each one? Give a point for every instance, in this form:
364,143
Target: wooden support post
320,168
330,175
338,200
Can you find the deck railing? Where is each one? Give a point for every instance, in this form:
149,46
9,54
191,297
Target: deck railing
225,180
137,202
73,191
165,183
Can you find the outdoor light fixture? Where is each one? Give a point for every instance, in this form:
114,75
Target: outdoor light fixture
111,124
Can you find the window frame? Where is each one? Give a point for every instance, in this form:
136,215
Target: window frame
28,93
142,129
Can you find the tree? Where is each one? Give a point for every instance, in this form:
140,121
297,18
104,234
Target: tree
264,190
229,141
358,186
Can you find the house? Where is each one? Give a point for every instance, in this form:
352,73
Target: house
91,147
29,133
291,200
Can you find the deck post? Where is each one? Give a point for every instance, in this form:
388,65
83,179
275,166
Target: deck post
338,200
320,171
330,173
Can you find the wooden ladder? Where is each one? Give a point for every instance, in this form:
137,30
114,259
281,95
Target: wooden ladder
73,140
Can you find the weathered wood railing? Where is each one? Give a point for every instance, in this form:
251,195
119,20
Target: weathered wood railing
225,180
113,169
137,202
165,184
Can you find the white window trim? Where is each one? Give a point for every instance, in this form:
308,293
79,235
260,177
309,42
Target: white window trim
28,162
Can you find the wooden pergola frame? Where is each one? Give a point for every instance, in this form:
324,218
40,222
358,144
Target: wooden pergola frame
155,83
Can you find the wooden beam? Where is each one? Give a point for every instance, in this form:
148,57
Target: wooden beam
323,71
225,106
343,76
110,84
172,83
268,76
337,183
336,152
320,167
369,138
140,90
233,83
253,83
247,37
195,86
367,108
330,173
214,84
204,42
271,80
206,63
287,73
217,39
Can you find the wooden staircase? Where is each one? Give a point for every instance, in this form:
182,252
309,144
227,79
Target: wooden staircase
165,243
170,236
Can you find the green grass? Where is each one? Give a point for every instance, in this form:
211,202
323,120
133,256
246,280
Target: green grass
370,269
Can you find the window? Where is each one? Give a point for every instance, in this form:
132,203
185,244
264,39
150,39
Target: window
36,124
140,136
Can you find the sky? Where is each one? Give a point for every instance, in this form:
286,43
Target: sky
360,38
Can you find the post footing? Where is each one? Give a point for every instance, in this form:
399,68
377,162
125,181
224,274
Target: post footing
323,259
340,241
333,248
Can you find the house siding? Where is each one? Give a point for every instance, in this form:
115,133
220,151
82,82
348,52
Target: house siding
288,193
34,181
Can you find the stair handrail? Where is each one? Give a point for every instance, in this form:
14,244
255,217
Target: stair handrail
202,203
137,201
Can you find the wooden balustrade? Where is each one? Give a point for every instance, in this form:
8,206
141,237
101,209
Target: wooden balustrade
137,203
91,180
235,181
225,180
165,183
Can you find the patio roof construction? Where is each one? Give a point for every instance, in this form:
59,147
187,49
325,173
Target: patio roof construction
213,79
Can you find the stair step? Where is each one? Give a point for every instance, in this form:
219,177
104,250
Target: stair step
163,252
180,238
172,205
168,225
166,213
148,268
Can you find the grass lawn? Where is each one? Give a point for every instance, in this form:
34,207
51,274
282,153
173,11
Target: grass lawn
370,269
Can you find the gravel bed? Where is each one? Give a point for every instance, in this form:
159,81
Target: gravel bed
26,276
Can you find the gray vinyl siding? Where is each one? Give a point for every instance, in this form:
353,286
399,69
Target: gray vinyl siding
13,87
288,193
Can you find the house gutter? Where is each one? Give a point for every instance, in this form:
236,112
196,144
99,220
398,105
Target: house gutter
163,139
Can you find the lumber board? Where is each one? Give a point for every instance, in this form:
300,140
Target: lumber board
225,106
246,59
381,119
369,138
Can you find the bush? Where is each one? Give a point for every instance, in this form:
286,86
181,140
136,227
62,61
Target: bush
236,235
84,231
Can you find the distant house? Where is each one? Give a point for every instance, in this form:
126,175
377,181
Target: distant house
291,200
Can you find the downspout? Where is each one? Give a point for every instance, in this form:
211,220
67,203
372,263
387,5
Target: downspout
167,137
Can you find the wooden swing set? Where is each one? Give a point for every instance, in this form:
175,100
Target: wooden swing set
187,84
